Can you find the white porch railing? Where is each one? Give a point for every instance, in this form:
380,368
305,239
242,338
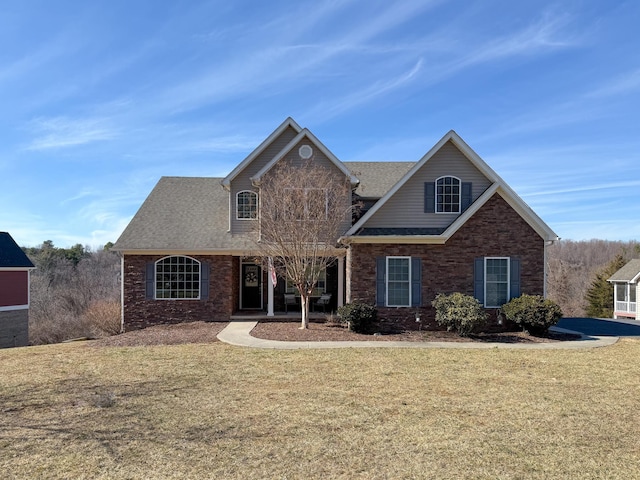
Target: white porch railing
626,307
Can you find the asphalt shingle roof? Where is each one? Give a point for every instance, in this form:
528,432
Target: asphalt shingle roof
183,213
192,213
628,272
11,255
377,178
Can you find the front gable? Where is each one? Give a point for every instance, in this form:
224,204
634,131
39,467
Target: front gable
406,213
288,142
407,207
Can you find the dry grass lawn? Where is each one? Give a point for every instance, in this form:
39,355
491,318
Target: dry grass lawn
216,411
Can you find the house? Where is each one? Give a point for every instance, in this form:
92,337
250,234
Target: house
626,290
443,224
15,270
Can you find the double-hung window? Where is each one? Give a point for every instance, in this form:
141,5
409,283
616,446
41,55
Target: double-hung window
177,277
398,282
246,205
496,281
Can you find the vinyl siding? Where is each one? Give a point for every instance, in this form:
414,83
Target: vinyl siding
243,180
406,207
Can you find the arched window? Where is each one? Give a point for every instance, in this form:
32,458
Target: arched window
246,205
177,277
448,195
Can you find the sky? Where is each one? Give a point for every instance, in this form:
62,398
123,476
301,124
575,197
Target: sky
100,99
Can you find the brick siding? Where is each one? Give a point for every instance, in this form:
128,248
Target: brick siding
495,230
139,312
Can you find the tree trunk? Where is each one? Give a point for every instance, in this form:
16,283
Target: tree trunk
304,308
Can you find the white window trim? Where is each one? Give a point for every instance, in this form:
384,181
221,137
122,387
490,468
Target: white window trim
508,259
155,278
238,217
459,195
386,281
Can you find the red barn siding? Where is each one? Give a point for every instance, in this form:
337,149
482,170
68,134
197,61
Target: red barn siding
14,288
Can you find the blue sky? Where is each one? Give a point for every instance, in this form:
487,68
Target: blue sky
100,99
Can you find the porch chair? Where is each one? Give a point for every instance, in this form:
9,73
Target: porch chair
323,301
289,299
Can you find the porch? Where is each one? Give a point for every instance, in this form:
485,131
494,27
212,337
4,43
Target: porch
277,316
625,309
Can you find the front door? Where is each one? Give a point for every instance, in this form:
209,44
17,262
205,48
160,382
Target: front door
251,286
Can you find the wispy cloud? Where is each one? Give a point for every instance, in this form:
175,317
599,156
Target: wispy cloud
623,84
324,111
62,132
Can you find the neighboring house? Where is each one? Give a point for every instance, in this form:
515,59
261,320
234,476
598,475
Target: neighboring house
626,290
443,224
15,270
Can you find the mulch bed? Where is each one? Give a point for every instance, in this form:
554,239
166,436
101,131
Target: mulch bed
181,333
206,332
290,331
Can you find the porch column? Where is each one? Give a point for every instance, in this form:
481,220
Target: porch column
340,281
271,275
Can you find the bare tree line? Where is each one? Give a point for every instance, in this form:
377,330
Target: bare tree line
573,265
75,293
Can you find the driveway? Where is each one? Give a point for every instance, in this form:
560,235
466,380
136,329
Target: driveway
602,327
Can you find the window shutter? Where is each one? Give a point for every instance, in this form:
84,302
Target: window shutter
204,281
149,280
429,197
478,279
466,195
514,286
380,285
416,281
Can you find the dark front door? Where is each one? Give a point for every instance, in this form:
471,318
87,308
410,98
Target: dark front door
251,286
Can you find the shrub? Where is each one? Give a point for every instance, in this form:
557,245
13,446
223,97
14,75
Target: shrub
360,317
459,312
533,312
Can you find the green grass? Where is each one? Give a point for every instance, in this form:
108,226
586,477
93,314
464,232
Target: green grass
215,411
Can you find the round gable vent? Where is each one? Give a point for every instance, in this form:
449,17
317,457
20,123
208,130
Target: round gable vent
305,152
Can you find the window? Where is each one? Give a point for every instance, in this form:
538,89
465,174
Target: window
398,281
177,278
621,292
496,282
448,195
246,205
319,289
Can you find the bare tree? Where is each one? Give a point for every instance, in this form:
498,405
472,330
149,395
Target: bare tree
304,208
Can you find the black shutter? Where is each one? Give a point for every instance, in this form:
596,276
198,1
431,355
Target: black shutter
478,279
149,280
416,281
429,197
514,287
204,281
466,195
380,285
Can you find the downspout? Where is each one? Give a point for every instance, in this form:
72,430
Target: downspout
547,243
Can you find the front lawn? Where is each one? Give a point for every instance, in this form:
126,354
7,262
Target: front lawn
216,411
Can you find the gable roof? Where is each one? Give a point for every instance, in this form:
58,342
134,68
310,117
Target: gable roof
630,273
498,185
305,133
183,214
377,178
11,255
289,122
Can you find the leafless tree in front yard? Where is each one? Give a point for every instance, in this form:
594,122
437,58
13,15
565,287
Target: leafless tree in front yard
304,208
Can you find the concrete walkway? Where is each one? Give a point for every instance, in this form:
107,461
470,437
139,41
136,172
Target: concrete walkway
239,333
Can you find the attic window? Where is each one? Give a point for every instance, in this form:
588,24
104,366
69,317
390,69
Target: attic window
448,195
305,152
246,205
